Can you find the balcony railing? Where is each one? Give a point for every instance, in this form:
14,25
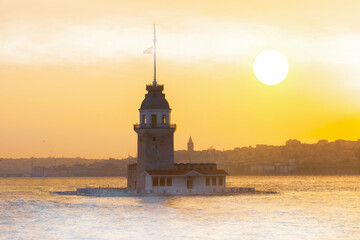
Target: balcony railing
162,125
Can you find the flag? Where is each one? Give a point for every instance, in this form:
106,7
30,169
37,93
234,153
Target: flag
149,50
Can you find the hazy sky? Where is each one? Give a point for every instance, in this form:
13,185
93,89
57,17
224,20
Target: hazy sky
73,75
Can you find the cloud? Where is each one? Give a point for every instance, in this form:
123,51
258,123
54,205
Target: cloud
102,39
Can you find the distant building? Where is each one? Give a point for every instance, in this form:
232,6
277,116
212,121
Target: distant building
323,142
293,143
190,145
276,168
38,171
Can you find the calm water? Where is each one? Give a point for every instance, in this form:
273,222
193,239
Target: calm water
306,208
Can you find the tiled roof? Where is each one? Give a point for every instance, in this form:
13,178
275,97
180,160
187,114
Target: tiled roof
167,172
212,172
185,172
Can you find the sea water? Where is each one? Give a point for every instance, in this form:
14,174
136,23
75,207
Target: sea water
307,207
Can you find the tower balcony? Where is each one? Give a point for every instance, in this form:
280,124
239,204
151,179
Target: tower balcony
155,126
157,87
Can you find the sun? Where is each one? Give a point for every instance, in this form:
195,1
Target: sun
271,67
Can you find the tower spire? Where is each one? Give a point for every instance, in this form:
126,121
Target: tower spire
154,82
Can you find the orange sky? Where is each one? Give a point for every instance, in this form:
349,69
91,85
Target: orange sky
72,75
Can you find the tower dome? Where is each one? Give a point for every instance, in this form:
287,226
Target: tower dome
155,99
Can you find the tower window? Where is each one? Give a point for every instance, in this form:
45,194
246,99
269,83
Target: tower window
164,120
144,119
154,138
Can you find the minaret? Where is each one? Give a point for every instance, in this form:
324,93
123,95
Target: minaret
155,133
190,145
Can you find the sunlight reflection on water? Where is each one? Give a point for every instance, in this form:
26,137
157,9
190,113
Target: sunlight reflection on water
306,208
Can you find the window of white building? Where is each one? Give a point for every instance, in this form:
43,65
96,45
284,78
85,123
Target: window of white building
169,181
214,181
155,181
221,181
207,181
162,181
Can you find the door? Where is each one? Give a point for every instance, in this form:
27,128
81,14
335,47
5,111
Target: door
190,182
153,121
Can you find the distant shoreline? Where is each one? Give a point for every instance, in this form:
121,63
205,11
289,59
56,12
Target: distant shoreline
263,175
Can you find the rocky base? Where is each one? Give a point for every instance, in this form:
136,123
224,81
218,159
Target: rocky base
124,192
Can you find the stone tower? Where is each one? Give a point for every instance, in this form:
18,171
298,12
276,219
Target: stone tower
190,145
155,134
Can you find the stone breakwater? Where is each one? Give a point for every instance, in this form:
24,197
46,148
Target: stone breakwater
123,192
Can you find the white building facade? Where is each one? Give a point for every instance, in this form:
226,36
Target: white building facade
178,181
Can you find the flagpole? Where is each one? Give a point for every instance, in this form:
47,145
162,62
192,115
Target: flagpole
154,82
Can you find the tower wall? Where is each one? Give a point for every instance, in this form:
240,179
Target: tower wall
155,134
131,176
155,152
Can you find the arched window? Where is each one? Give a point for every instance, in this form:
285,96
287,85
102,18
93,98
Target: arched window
144,119
164,119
